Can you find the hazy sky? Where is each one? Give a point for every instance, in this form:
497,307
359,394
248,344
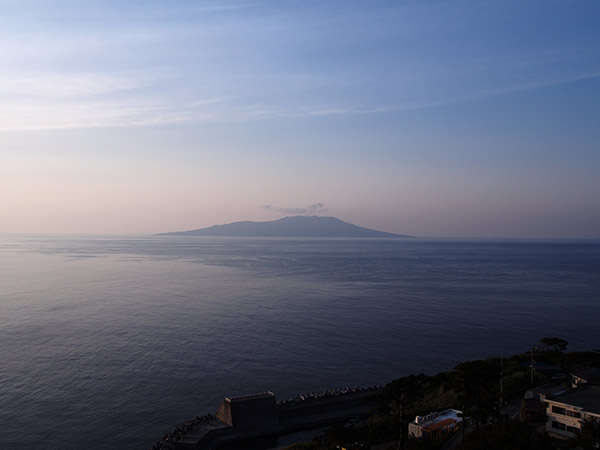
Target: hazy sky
432,118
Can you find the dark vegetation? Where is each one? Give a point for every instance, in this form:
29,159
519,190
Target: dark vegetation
515,435
474,388
507,435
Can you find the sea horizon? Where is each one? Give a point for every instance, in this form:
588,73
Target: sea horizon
408,237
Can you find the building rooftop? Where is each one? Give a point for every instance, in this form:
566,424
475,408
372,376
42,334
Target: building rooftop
440,424
544,391
586,398
446,416
542,366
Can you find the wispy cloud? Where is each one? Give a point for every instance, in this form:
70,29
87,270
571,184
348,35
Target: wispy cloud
59,85
310,210
494,91
95,102
204,63
24,115
84,101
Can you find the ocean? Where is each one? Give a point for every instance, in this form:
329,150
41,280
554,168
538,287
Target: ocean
109,342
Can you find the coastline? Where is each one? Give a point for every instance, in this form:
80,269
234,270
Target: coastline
496,387
300,412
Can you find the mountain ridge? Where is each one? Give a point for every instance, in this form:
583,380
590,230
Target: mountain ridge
290,226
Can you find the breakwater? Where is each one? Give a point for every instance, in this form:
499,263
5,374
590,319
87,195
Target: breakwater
170,440
245,418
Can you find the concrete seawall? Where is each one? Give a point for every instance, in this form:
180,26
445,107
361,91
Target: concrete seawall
257,416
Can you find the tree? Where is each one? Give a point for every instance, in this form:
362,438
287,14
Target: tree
508,435
477,385
588,438
403,393
552,345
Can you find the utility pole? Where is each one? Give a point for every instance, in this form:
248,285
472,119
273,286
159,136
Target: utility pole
501,382
532,366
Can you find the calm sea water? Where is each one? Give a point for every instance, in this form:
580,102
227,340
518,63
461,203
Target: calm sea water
109,342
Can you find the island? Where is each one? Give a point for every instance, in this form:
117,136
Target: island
292,226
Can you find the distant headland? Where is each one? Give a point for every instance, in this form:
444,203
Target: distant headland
293,226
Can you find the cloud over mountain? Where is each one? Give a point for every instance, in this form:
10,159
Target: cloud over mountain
310,210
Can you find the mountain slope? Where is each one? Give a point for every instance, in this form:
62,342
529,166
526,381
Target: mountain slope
296,226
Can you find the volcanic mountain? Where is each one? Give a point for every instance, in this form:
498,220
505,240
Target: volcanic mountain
294,226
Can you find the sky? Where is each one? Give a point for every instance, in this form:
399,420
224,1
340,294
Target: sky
431,118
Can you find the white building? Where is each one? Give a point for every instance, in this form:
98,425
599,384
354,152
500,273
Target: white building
436,425
565,412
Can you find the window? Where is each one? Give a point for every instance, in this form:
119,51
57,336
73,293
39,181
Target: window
558,425
572,429
573,414
558,410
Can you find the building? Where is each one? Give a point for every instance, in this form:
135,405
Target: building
533,408
436,425
565,412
